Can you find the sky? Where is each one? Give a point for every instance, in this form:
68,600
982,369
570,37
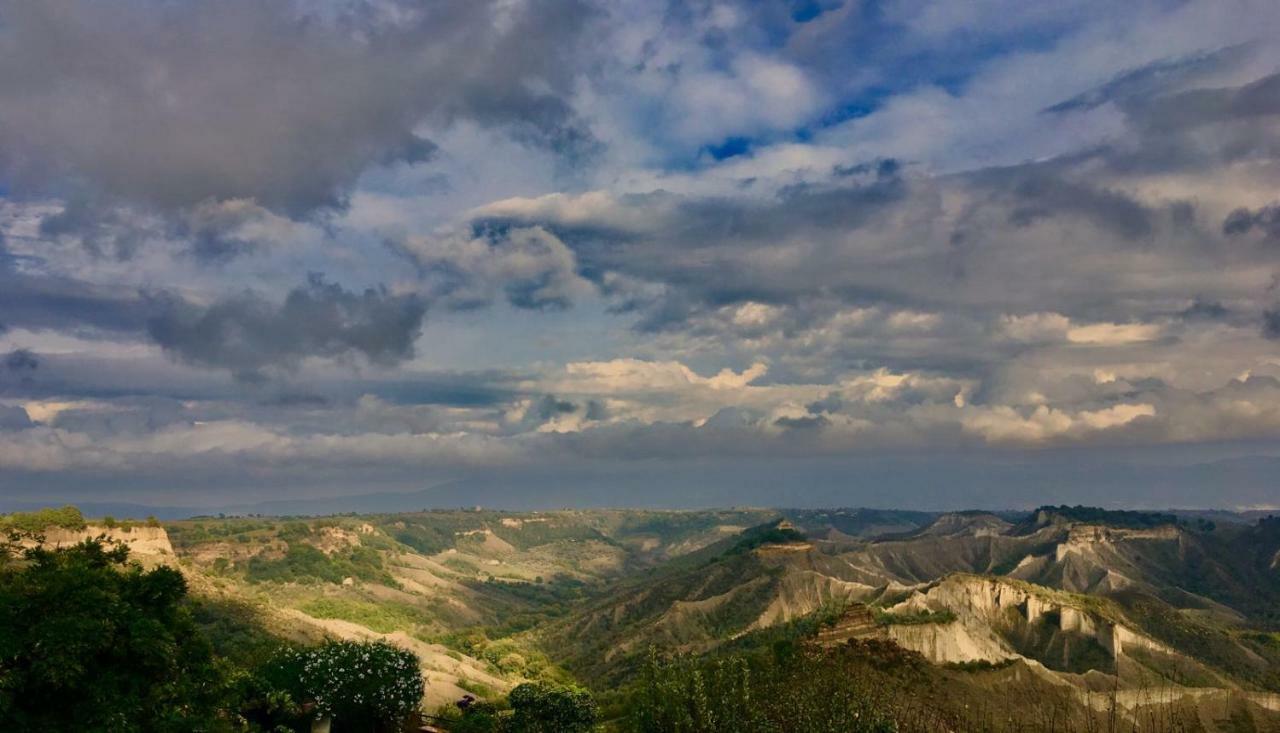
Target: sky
636,252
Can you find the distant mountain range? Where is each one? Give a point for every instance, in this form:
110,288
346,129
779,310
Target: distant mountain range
1244,487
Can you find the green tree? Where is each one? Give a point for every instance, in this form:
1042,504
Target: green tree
67,517
91,641
538,707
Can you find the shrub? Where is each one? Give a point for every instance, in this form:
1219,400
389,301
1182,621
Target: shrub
303,563
538,707
913,618
798,690
373,685
67,517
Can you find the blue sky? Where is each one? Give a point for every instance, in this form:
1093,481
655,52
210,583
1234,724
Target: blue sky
553,250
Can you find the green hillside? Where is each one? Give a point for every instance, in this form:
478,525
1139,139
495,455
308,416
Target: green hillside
1086,612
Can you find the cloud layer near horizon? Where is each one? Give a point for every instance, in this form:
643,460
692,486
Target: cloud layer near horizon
343,245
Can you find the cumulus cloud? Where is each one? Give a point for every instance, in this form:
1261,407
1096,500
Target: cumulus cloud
13,417
713,232
1265,220
529,266
248,334
21,361
173,104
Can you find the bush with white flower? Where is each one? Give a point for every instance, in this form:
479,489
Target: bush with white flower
369,684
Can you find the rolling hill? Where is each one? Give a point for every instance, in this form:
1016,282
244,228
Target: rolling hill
1106,613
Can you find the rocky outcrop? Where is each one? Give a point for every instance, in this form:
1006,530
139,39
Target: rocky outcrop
970,524
141,541
992,614
857,622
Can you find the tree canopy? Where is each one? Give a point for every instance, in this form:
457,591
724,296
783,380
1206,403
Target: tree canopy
91,641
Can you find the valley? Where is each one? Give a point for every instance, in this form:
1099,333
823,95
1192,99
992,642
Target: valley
1132,618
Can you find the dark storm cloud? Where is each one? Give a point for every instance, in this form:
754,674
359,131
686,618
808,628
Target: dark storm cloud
1196,129
548,407
1265,220
102,229
854,241
1205,309
1271,324
529,267
171,104
21,361
48,301
247,334
14,418
1198,107
133,416
702,247
1038,197
1158,77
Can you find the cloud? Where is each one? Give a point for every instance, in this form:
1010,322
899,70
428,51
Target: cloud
1110,334
529,266
38,300
221,230
170,105
248,334
14,418
714,234
1266,220
21,361
1271,324
1159,77
1006,425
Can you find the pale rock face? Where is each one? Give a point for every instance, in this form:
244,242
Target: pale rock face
141,541
1087,539
804,593
951,643
982,604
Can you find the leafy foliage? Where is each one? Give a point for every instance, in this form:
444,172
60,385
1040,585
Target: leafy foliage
1110,517
534,707
913,618
90,641
766,534
303,563
797,691
384,617
369,685
67,517
538,707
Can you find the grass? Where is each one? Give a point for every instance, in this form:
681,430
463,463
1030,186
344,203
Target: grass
912,618
382,617
303,563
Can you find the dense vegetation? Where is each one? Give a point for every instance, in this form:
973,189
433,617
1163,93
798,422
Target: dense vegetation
767,534
1110,517
912,618
793,688
67,517
365,686
91,641
533,707
303,563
